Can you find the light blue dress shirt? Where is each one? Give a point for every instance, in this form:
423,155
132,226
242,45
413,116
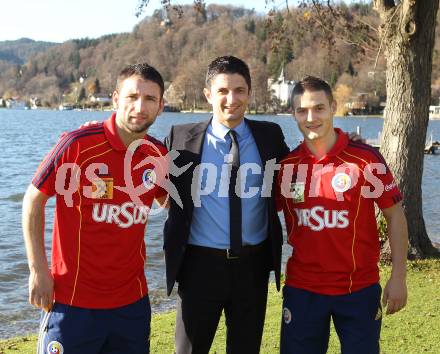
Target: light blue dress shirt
210,220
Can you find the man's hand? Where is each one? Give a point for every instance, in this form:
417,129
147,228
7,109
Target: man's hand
84,125
356,137
394,295
164,201
41,289
88,124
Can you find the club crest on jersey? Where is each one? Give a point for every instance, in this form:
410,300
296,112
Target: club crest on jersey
55,347
287,315
149,178
341,182
297,192
102,188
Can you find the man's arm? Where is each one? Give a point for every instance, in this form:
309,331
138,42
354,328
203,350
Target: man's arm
163,201
40,278
395,292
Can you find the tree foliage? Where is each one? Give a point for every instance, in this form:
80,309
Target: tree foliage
179,40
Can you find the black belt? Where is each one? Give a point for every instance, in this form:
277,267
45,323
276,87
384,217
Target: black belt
227,253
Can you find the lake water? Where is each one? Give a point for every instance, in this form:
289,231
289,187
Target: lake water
25,138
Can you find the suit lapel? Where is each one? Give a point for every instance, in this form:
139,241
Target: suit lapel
193,147
260,138
194,140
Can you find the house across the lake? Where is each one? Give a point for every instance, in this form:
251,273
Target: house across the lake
101,99
434,112
281,89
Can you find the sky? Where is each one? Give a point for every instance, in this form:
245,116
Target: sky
61,20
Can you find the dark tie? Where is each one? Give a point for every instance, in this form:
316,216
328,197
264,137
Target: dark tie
234,197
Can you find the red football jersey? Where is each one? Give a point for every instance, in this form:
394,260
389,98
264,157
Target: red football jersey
329,210
103,196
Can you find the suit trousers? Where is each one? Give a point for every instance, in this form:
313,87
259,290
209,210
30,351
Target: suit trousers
210,283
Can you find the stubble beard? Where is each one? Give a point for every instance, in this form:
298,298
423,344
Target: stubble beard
135,128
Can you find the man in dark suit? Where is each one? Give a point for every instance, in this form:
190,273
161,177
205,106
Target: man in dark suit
224,237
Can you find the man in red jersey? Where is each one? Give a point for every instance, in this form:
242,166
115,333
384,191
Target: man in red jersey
327,188
105,178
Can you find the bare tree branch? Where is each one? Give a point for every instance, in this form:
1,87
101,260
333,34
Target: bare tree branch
344,26
346,40
370,26
388,24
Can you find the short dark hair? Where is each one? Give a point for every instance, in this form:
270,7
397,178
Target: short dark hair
228,65
143,70
312,83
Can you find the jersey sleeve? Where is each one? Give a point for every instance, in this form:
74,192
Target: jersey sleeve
279,199
45,178
387,193
162,173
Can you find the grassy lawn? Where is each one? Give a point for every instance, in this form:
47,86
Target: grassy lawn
414,330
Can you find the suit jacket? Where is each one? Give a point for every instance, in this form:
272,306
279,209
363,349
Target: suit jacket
188,140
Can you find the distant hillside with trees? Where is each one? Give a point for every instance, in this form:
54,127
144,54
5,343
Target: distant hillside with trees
180,47
19,51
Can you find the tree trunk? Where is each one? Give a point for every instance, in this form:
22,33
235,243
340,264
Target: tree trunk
407,35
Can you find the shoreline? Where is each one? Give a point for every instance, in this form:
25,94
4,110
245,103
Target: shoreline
413,330
161,305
